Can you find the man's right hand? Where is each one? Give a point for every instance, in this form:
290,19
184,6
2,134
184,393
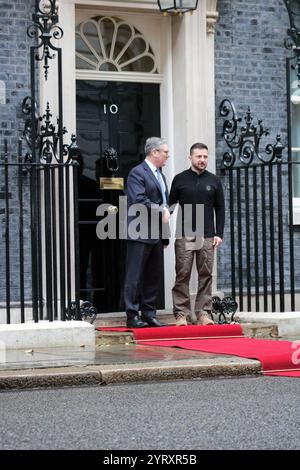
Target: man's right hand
165,215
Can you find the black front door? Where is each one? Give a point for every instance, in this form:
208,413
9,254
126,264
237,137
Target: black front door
119,116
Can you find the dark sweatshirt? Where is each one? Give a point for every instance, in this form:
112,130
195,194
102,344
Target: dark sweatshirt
190,188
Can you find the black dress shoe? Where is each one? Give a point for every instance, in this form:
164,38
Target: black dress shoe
154,322
135,322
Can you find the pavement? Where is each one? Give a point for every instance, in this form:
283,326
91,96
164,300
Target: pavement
118,359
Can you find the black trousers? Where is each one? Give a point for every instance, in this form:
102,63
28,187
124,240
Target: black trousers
144,269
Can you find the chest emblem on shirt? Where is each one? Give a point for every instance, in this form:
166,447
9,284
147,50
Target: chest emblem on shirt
208,188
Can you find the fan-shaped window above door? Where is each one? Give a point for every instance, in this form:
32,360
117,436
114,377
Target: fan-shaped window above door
108,44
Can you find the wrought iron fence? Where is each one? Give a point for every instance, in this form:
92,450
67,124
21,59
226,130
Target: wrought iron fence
38,203
39,276
261,215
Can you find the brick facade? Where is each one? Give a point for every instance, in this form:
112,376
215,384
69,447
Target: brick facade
15,74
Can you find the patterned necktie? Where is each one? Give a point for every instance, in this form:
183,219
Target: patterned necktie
162,186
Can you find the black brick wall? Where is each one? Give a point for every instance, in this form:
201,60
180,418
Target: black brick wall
15,17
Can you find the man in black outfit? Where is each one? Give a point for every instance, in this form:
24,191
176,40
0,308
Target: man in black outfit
193,187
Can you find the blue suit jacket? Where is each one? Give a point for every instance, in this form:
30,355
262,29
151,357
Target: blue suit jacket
143,189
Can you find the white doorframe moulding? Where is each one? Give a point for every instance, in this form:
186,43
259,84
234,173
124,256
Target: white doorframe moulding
119,77
121,5
296,211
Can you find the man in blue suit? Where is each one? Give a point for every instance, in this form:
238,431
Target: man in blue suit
147,194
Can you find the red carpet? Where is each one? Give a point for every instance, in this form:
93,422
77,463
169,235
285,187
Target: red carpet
276,357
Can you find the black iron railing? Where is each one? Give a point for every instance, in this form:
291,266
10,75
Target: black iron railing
30,240
261,215
38,202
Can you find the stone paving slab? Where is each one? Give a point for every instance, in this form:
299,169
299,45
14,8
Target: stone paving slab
104,355
129,373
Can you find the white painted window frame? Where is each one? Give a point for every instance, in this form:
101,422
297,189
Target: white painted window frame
102,56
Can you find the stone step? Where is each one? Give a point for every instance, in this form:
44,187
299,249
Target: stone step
288,323
106,338
118,319
110,338
101,374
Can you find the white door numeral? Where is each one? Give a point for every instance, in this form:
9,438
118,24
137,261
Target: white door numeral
113,109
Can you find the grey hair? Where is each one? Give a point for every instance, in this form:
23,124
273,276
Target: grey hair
153,143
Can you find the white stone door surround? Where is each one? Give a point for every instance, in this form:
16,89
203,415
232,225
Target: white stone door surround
185,51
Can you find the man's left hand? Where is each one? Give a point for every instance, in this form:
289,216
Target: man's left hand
217,242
